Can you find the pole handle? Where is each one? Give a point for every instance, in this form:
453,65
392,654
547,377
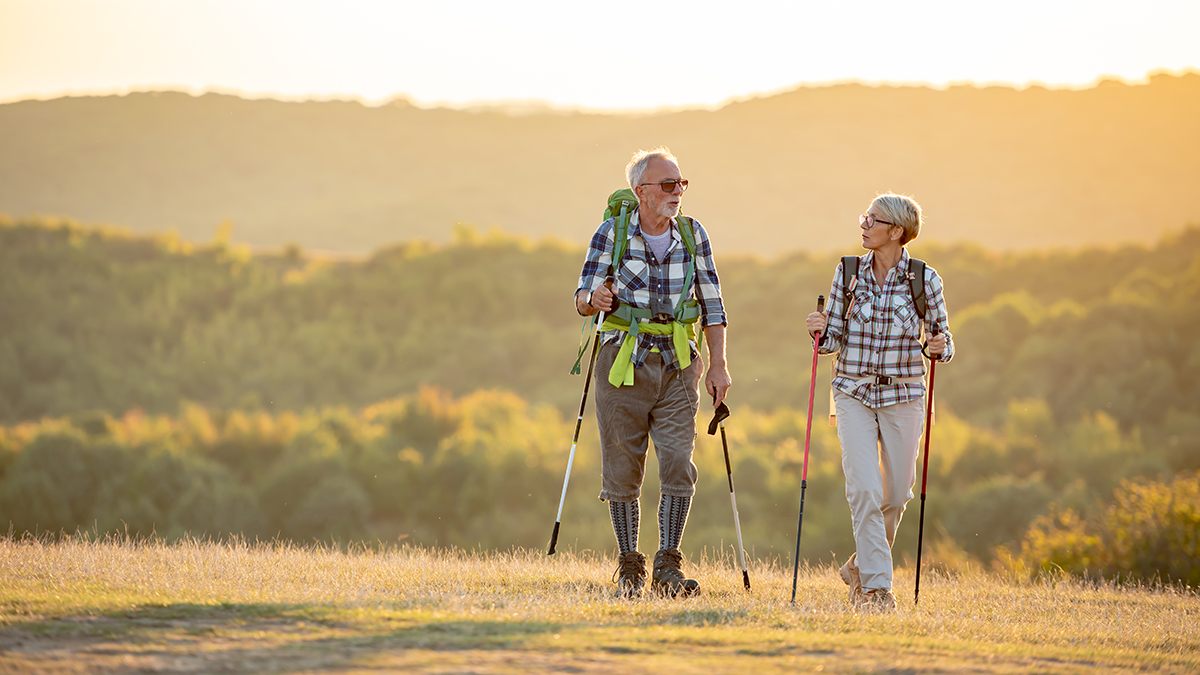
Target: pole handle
616,304
820,308
925,347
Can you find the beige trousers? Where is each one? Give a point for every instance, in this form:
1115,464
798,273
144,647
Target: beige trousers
879,458
660,405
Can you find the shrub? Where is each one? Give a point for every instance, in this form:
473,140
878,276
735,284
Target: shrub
1150,532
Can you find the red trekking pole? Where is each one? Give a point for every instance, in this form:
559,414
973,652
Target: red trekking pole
812,390
925,476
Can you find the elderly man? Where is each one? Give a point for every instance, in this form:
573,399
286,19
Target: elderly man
648,368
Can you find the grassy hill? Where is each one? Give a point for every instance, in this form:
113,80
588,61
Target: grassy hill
197,607
1005,168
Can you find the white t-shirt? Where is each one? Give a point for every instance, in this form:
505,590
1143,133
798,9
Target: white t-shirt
658,243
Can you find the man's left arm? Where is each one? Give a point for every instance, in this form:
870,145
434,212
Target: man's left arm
712,316
717,381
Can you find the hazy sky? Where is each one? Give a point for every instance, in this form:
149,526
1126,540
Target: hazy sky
611,55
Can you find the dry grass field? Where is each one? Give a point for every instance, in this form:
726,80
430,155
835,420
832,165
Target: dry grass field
82,606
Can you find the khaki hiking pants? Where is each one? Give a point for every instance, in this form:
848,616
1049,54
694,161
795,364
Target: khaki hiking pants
879,458
661,406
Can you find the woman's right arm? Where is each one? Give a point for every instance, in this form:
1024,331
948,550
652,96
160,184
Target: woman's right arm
833,337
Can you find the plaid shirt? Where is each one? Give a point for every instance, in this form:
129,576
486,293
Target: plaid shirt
641,274
883,335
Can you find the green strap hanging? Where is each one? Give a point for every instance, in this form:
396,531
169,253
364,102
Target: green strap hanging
585,338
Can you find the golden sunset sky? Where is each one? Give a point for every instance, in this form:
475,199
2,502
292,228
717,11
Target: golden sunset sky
597,55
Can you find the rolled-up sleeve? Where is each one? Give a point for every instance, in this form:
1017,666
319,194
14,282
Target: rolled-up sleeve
835,329
708,284
599,258
938,320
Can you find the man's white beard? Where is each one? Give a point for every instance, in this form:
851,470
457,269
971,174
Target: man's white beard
668,210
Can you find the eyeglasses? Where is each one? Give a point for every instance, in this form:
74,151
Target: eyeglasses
864,219
669,185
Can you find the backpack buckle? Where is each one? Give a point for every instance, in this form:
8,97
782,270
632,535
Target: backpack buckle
883,379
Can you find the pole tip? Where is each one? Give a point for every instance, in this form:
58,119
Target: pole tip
554,538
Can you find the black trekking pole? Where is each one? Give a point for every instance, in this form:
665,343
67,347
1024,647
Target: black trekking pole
924,476
579,422
812,390
718,420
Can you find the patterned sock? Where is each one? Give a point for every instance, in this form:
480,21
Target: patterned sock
626,516
672,517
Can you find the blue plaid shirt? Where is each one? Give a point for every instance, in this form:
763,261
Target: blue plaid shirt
641,274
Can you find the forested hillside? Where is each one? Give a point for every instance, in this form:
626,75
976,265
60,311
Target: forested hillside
422,394
97,320
1004,168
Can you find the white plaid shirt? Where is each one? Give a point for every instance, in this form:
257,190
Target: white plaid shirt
882,333
640,273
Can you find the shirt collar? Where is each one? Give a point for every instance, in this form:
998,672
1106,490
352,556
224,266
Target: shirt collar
901,266
635,227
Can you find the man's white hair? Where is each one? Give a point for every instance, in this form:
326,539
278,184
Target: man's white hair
641,159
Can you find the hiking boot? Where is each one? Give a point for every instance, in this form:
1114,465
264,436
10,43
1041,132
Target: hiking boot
880,599
668,579
849,574
630,575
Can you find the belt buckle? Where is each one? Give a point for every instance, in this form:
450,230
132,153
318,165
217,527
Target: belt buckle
662,318
883,379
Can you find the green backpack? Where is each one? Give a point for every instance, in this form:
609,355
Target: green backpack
621,205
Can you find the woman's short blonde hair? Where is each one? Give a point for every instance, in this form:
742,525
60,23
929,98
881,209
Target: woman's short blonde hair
901,210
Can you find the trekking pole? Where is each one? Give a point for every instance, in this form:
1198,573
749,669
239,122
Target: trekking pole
812,390
924,476
578,423
718,420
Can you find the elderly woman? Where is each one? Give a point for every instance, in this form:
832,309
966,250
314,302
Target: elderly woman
874,325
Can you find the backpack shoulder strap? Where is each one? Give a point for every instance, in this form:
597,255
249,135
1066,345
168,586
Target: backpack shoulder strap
916,283
689,236
684,224
849,271
621,205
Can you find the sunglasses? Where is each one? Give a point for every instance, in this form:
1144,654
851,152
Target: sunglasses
669,185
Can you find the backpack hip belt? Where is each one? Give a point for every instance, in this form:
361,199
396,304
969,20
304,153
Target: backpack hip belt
636,320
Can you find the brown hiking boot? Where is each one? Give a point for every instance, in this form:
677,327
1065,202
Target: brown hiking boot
877,599
849,574
630,575
668,578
